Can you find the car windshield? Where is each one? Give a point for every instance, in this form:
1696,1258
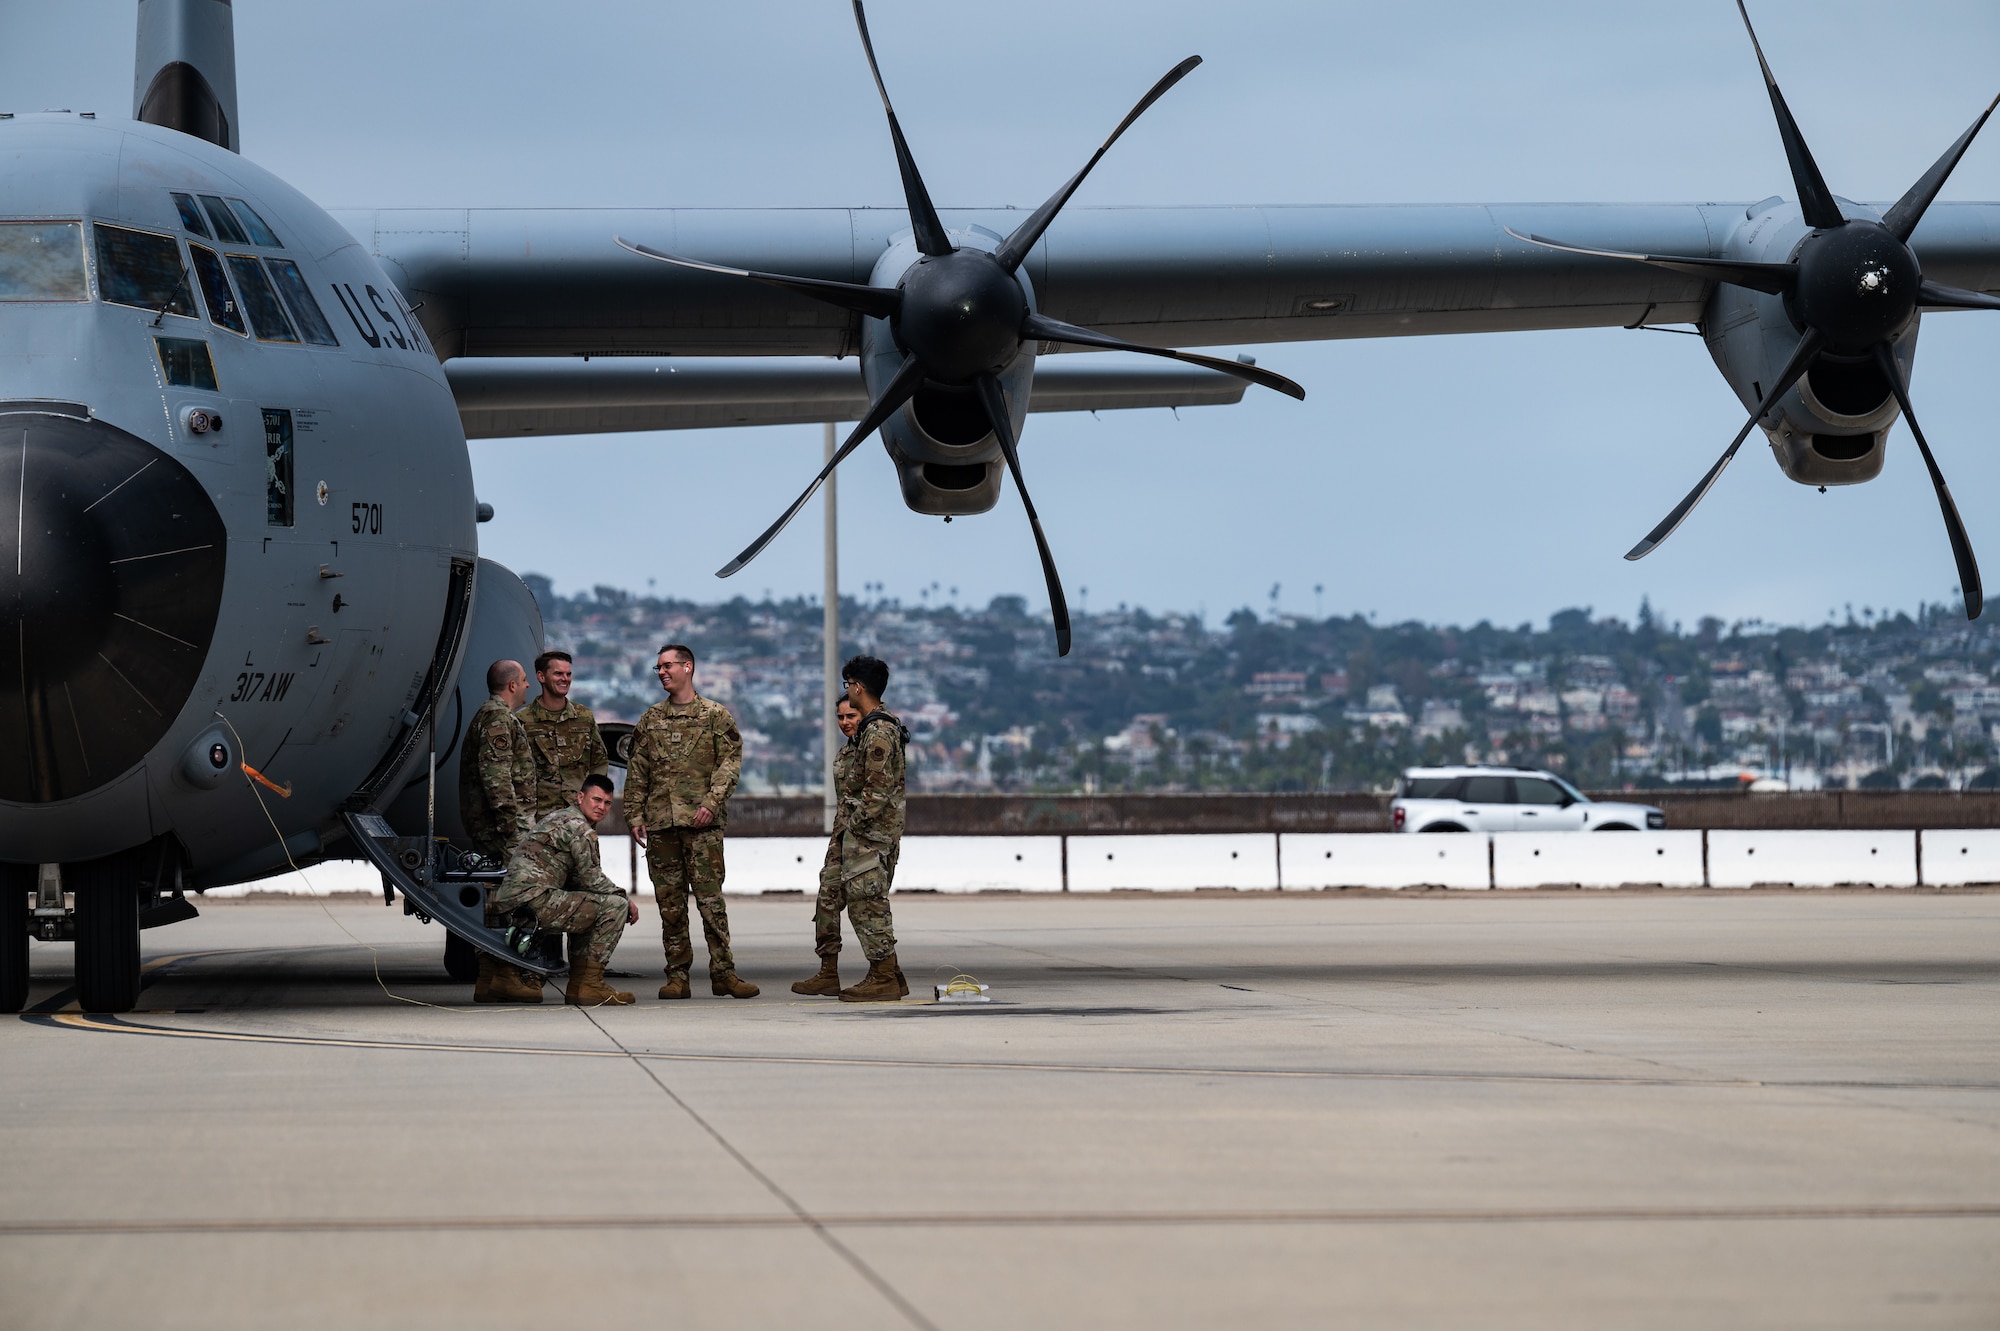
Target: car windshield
1570,790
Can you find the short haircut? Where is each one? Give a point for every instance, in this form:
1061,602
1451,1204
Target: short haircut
502,673
597,781
680,647
542,661
870,672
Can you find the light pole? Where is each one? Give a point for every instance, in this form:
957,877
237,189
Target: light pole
830,632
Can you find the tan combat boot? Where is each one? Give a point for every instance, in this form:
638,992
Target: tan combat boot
587,987
511,984
730,985
902,982
675,987
482,988
826,983
878,986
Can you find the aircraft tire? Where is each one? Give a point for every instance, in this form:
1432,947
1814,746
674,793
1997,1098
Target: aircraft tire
16,881
107,937
461,959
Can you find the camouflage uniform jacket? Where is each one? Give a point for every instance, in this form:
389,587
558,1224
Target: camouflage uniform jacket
871,806
567,749
496,777
559,855
845,761
684,759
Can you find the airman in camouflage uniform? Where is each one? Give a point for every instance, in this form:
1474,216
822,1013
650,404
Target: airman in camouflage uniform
564,735
496,799
832,900
870,815
496,770
555,875
685,759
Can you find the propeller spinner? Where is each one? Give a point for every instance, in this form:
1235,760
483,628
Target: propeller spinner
1853,286
961,317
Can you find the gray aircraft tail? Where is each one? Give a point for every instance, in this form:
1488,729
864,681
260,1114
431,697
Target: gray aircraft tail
185,76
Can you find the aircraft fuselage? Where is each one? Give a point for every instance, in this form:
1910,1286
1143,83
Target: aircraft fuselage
273,585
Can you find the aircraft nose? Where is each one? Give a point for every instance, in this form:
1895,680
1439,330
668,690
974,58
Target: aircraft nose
111,568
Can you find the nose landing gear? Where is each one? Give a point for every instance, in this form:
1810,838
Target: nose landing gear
107,934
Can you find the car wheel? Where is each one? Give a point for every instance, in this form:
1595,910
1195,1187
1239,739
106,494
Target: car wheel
1444,827
1617,827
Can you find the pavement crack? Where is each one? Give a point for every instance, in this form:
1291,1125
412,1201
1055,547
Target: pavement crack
875,1279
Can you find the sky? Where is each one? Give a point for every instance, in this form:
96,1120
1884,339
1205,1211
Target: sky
1447,479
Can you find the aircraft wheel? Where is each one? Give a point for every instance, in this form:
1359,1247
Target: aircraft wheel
107,936
16,882
461,959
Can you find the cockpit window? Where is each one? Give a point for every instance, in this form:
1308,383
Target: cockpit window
190,215
259,233
142,269
222,308
186,362
267,316
227,229
291,284
42,261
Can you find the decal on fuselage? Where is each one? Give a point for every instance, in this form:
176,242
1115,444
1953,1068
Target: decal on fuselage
390,331
257,686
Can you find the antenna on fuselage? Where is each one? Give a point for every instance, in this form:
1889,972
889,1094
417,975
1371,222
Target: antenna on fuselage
185,74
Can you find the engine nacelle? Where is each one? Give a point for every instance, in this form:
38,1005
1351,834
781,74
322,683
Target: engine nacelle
945,452
1830,429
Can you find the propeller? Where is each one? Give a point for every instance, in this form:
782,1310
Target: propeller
1854,284
962,317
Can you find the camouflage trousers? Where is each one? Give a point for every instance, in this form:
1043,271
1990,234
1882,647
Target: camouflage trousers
594,921
856,878
681,860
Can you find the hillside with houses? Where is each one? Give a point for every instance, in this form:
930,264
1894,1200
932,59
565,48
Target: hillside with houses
1167,701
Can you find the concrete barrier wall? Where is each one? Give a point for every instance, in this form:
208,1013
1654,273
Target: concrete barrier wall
981,863
768,864
1597,859
1309,861
1953,858
1173,863
1382,860
1812,859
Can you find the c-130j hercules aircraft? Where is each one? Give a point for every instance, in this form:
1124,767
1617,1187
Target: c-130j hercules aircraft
233,429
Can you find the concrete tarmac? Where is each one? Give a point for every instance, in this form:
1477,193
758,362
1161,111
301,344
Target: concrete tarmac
1453,1110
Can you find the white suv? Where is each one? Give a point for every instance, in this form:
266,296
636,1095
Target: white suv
1507,799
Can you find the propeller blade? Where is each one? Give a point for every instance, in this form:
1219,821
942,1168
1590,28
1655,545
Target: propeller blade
1954,528
875,302
1802,355
1055,330
1773,278
1015,248
1938,296
930,234
995,401
1909,210
1815,199
899,390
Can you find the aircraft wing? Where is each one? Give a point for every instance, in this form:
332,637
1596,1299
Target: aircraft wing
550,282
513,397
